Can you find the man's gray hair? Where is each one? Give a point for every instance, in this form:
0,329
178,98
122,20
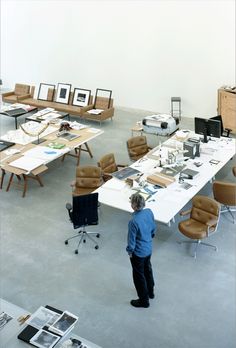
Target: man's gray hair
137,201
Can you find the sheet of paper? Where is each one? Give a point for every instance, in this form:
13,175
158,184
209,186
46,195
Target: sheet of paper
27,163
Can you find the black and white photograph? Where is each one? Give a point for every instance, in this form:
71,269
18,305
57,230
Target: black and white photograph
4,319
42,317
66,321
44,339
81,97
63,93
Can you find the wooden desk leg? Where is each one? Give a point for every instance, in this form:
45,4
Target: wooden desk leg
25,185
9,182
2,177
88,149
37,177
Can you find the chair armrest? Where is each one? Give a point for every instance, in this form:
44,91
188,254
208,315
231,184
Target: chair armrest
106,176
122,165
6,94
69,208
185,212
211,223
72,184
88,107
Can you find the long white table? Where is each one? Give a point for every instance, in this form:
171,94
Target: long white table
167,202
8,334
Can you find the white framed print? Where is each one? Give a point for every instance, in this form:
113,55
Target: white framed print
81,97
63,93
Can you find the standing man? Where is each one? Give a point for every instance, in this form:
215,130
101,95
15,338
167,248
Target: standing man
141,230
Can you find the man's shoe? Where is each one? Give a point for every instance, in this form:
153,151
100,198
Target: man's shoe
151,296
138,303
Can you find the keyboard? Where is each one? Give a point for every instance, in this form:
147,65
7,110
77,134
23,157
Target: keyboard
186,185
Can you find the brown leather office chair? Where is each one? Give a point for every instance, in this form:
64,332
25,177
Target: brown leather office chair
203,221
88,179
225,194
108,165
137,147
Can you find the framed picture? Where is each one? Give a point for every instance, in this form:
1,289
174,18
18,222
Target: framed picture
81,97
105,95
63,93
46,91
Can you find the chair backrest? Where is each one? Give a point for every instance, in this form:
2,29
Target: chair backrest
137,147
205,209
88,177
107,163
224,192
21,89
85,210
103,103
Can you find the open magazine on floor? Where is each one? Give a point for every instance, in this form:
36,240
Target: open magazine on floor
46,326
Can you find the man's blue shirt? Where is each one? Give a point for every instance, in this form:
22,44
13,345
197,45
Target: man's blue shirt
141,229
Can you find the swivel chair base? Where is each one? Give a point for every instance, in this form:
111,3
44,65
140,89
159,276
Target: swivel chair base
83,234
198,242
229,210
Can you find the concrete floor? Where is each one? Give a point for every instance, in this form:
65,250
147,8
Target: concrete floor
194,305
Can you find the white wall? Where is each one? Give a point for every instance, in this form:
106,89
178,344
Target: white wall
145,51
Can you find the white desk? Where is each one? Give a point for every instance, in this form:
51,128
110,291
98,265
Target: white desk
9,333
167,202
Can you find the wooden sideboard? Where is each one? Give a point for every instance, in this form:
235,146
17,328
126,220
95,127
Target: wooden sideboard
227,108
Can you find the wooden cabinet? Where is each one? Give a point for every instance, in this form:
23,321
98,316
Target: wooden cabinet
227,108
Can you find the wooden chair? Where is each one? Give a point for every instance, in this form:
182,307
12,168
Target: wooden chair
108,165
137,147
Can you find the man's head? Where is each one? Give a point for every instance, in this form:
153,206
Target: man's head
137,202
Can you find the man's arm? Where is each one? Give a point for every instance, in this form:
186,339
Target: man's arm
131,240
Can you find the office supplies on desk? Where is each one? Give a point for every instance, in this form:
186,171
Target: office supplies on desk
5,144
46,327
68,136
189,173
160,179
125,173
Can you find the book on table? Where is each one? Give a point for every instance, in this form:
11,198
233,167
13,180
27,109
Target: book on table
47,326
68,136
189,173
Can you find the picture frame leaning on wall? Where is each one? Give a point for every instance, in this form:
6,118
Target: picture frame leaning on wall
46,91
63,93
81,97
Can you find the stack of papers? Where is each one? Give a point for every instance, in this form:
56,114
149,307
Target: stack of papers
95,111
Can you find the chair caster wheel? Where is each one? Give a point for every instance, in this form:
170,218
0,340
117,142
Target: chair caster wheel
66,242
96,247
84,241
76,251
98,235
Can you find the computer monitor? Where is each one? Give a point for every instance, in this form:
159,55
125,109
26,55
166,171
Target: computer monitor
200,127
214,128
207,127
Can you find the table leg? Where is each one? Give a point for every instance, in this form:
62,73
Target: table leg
2,177
9,182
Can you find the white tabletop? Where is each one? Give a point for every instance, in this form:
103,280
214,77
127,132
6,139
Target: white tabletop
9,333
167,202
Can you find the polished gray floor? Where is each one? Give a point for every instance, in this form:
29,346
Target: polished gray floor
194,305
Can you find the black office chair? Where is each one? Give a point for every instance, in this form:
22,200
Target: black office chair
84,213
225,132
